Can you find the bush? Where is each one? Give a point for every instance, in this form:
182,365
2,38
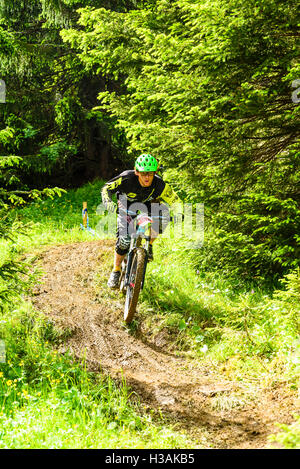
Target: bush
289,437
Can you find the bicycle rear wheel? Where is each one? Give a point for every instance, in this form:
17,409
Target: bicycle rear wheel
135,283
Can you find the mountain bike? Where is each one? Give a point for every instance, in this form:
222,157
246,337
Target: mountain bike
134,265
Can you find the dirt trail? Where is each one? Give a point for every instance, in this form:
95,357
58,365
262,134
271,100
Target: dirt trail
183,389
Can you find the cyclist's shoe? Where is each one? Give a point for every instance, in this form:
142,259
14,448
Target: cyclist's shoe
114,279
150,253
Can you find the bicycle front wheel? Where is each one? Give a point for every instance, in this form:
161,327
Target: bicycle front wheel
135,283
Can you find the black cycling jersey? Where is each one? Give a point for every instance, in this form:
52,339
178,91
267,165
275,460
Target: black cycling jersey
127,183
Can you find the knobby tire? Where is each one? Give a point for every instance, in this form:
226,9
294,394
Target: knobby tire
136,277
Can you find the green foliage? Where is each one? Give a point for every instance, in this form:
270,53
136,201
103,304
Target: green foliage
50,215
258,236
51,157
212,317
291,294
289,436
206,312
48,400
206,86
63,212
232,327
68,111
49,97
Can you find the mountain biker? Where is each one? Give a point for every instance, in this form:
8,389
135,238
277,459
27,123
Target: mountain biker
139,185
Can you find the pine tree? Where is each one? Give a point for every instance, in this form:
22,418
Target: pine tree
207,87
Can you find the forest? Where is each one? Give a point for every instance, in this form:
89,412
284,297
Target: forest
212,90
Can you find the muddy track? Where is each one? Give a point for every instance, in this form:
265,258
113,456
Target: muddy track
181,388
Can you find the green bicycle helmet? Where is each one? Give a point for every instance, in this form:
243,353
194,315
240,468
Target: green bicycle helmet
146,162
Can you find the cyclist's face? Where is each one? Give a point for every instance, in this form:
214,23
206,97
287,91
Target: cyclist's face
145,178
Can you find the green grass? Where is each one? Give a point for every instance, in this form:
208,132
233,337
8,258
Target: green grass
246,328
57,220
207,314
289,436
47,400
54,423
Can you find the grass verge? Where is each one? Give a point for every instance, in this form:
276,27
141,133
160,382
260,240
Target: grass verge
48,400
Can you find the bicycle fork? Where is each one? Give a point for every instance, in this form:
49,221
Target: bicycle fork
131,253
